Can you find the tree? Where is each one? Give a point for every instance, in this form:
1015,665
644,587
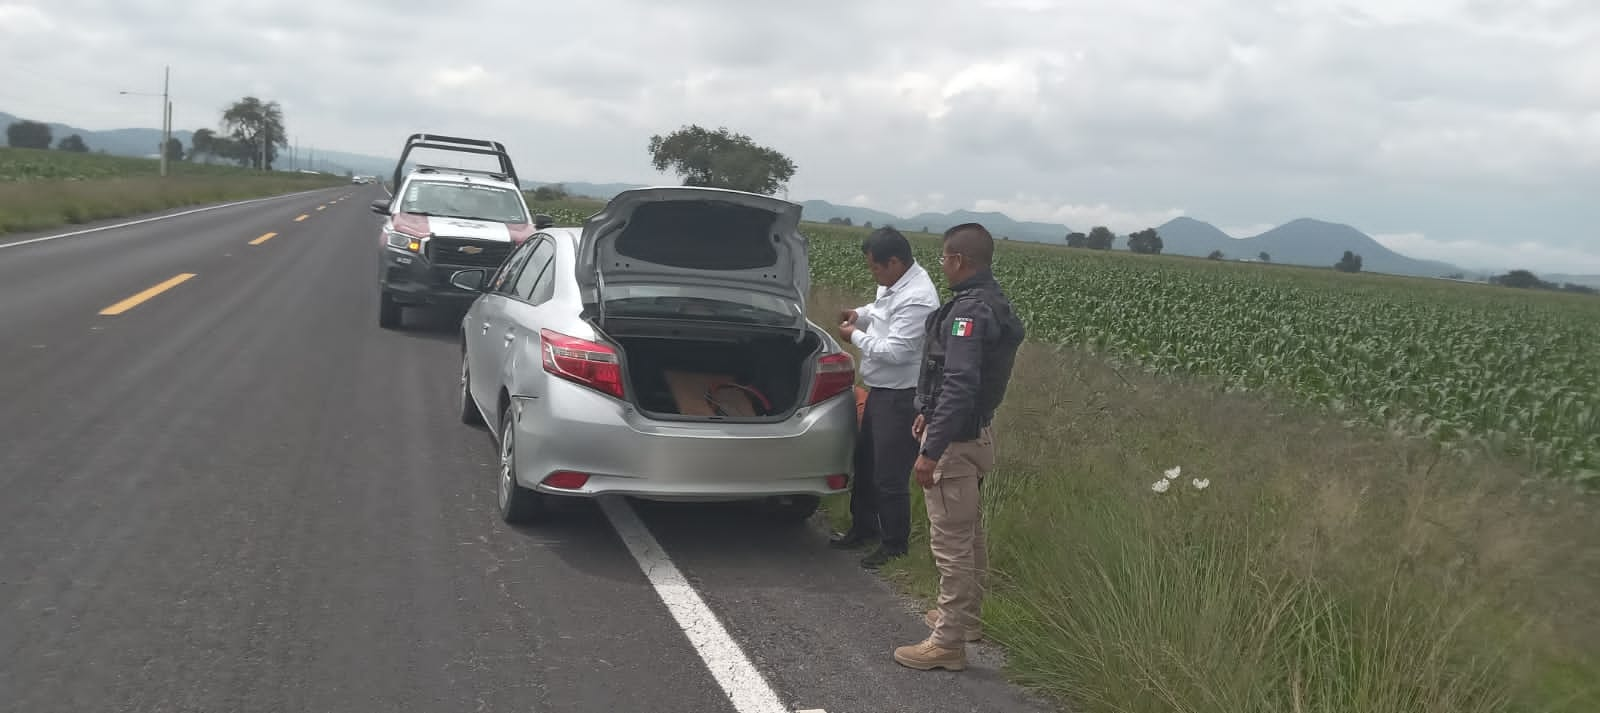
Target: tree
73,143
1522,279
174,150
1265,257
720,159
1351,262
256,127
1101,238
552,192
1146,242
1215,255
203,143
867,225
28,135
227,148
1077,240
924,228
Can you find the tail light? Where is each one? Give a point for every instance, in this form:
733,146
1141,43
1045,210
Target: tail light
582,362
836,374
567,480
838,482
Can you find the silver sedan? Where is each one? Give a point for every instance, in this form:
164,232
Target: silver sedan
660,351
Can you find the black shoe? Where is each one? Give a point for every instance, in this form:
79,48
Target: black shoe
881,557
850,539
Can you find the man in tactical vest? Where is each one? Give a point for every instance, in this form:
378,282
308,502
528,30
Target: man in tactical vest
966,364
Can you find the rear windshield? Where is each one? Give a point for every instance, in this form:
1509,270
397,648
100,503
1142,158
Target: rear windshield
700,235
463,200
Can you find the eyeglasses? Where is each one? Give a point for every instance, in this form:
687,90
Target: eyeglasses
946,257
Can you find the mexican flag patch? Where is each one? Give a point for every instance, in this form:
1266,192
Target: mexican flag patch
961,327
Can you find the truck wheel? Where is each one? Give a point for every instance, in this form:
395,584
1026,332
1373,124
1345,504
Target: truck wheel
389,312
518,505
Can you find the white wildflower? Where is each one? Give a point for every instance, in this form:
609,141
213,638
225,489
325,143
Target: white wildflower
1201,484
1161,486
1173,472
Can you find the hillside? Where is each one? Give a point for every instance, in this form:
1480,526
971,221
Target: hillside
1299,242
1187,236
121,142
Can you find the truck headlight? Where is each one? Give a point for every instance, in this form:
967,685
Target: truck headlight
401,241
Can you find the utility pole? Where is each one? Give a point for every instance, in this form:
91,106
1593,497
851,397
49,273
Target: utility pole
166,116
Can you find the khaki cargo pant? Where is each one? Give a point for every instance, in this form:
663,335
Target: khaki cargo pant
955,534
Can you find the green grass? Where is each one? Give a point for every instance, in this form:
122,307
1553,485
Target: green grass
48,189
1323,568
1475,367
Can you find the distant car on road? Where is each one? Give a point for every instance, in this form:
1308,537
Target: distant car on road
661,351
442,220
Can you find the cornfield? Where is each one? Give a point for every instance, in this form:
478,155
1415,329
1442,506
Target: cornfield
1469,366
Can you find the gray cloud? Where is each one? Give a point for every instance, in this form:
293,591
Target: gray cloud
1430,122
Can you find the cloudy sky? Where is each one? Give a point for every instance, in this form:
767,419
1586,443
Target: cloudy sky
1465,130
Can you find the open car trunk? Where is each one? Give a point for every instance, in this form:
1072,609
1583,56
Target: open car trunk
718,375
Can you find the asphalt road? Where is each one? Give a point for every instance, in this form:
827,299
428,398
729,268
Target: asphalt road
239,494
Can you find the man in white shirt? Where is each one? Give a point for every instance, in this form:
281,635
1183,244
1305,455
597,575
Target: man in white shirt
889,333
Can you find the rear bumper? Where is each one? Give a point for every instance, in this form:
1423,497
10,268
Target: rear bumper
623,453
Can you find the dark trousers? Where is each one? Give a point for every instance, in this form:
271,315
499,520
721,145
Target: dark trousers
880,497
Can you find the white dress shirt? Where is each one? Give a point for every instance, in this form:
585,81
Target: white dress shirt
889,331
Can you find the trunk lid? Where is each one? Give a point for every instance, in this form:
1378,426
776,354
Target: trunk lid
691,253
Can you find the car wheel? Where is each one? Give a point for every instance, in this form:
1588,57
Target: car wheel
470,414
793,508
389,312
518,505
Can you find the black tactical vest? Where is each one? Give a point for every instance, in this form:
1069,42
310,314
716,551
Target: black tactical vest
1000,343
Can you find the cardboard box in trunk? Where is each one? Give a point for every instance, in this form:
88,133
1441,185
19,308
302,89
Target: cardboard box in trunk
690,391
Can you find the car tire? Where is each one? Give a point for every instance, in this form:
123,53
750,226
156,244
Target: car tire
389,312
470,414
518,505
793,508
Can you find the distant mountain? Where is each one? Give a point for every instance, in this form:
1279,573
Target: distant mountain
823,211
1300,242
1186,236
598,191
122,142
1314,242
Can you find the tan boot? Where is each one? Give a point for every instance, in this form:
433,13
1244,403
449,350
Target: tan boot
932,620
925,656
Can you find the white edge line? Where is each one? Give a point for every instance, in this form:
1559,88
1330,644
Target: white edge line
141,221
745,687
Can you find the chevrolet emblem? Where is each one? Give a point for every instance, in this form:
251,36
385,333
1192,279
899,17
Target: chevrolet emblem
469,249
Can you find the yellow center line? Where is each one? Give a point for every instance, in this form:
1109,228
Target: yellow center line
144,296
303,216
262,239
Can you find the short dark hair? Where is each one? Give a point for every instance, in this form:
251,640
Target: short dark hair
973,242
885,243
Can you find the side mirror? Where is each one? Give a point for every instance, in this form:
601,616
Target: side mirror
542,221
470,280
381,207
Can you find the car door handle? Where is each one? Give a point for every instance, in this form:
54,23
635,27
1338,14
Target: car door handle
509,337
485,327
